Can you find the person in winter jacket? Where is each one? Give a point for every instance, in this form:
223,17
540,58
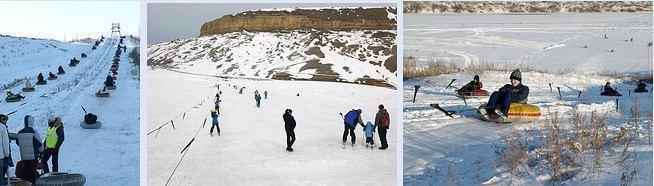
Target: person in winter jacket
51,75
28,84
265,94
382,122
289,126
257,98
109,81
369,129
39,78
214,122
642,87
11,95
217,107
54,137
509,93
60,70
351,119
609,91
475,84
6,150
30,144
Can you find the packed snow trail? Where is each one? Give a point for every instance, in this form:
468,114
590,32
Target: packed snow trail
433,141
109,155
252,140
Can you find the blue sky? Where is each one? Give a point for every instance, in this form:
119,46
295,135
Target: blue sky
67,19
169,21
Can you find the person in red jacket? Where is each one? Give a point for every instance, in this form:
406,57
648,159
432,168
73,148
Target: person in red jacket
382,121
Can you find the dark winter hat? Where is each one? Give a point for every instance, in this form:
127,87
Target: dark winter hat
381,106
516,74
4,117
288,111
476,78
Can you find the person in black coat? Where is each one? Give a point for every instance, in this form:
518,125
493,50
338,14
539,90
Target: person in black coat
109,81
289,125
40,77
509,93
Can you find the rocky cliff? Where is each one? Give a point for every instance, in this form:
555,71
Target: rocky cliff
277,20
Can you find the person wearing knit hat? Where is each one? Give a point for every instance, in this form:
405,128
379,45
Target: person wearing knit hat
509,93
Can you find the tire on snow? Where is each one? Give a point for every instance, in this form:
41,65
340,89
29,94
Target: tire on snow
60,179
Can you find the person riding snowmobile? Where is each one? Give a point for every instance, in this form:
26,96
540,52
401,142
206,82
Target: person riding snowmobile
515,92
473,85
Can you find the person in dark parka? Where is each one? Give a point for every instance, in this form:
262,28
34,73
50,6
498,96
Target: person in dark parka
475,84
515,92
641,87
609,91
40,77
289,125
382,121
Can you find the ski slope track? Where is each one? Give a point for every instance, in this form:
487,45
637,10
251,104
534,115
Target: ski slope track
106,156
251,147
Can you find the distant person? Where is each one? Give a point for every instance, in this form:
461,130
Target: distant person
473,85
6,148
257,98
515,92
289,126
382,122
214,122
609,91
641,87
350,120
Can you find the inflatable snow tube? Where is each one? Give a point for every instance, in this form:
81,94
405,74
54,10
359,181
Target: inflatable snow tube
640,90
61,179
61,73
102,95
17,182
52,78
111,88
29,89
518,112
474,94
15,99
610,94
41,82
72,65
95,125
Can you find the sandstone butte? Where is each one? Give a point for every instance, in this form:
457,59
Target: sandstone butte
343,19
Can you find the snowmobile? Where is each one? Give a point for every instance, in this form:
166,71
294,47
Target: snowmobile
90,121
83,55
518,112
480,93
61,178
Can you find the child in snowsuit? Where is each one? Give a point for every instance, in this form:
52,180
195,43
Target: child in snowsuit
214,122
369,129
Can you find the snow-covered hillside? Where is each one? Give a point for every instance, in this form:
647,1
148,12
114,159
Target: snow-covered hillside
105,156
365,57
462,150
250,148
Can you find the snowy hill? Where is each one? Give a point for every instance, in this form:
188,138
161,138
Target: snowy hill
109,155
357,56
526,6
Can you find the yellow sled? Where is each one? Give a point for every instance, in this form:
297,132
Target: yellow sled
518,112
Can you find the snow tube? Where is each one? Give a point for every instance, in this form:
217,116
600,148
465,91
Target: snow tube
52,78
61,73
60,179
42,82
14,99
111,88
17,181
640,90
106,94
95,125
518,112
72,64
474,94
610,94
29,89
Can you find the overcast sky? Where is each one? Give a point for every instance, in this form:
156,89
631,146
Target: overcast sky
66,20
169,21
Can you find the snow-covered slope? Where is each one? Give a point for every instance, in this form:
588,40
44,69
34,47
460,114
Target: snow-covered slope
365,57
553,42
106,156
250,149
